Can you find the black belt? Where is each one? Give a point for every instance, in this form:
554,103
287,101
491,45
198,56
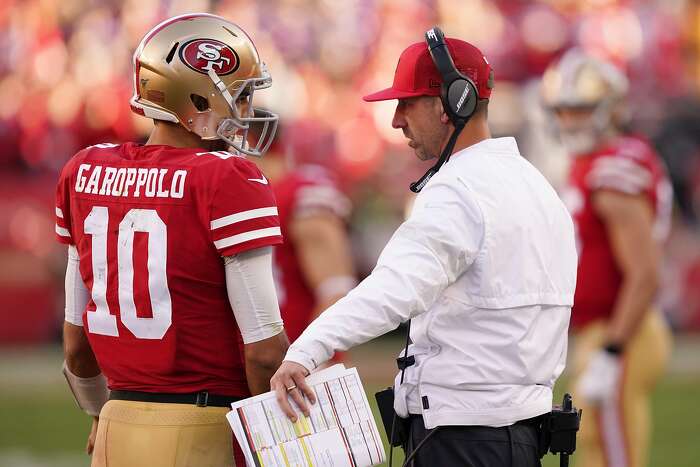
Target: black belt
537,421
200,399
534,421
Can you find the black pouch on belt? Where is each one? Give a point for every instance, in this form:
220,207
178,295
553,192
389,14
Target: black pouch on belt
396,427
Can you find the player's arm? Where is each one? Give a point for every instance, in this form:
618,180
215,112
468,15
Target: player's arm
79,358
82,372
323,249
251,292
629,222
244,225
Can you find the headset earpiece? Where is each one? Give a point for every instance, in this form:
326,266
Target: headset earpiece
458,93
461,98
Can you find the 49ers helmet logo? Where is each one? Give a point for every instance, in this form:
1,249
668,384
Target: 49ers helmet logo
203,55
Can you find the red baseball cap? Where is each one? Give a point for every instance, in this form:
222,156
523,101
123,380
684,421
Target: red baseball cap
417,75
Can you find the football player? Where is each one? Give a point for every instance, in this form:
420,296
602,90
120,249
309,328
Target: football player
620,198
313,268
170,298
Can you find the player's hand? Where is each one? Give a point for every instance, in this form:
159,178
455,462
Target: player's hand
600,379
91,437
290,380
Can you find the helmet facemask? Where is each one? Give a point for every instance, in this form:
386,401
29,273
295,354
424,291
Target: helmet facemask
583,136
235,129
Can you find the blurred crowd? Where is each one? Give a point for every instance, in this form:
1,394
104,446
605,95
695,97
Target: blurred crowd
65,82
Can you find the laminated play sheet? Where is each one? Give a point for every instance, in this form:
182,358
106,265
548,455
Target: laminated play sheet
340,430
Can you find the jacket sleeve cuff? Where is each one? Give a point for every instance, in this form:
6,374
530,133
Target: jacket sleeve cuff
302,358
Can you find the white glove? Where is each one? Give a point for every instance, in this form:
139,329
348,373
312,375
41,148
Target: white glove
599,380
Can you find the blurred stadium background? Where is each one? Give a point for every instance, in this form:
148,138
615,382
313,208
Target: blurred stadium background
65,81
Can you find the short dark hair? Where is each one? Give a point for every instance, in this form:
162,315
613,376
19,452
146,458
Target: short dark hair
482,107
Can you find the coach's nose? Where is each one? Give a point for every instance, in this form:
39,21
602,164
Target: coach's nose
399,120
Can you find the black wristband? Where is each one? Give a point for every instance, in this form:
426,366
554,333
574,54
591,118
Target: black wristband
614,349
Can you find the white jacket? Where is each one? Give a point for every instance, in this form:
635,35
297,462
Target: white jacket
485,266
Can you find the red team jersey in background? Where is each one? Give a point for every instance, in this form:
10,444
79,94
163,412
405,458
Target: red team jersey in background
151,224
305,191
627,165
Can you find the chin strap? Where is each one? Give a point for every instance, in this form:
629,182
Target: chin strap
418,185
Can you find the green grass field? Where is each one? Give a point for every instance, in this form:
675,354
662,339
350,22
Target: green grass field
42,426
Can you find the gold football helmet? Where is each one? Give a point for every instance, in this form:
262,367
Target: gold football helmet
586,96
200,71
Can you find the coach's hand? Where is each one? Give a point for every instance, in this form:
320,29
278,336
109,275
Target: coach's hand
290,379
91,437
600,380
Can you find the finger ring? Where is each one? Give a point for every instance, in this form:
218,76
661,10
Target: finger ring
293,386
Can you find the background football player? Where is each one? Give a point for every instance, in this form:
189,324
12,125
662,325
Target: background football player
169,279
620,199
313,268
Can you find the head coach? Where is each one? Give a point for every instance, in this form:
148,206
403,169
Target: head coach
484,266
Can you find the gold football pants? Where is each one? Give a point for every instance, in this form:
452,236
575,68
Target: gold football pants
134,434
617,434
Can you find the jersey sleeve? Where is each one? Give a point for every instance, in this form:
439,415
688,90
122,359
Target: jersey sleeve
317,192
622,172
315,198
63,209
243,211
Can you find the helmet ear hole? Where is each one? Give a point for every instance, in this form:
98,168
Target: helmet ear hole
200,102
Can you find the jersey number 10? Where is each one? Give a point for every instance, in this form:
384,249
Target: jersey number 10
101,321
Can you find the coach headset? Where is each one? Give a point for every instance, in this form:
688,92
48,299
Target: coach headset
458,94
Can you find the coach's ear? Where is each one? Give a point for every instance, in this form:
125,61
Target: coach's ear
440,110
444,118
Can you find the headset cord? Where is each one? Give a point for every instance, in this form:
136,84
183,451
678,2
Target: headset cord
420,445
418,185
403,371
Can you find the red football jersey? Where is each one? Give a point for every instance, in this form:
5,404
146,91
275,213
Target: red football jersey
628,165
304,191
151,224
